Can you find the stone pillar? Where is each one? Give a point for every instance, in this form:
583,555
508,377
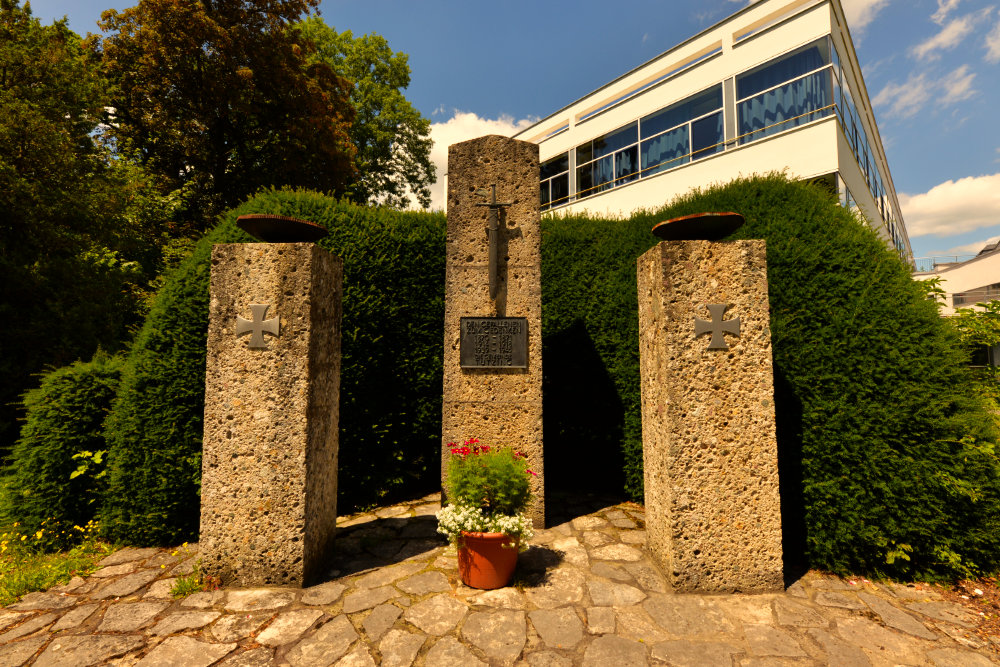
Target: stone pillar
713,519
272,401
499,405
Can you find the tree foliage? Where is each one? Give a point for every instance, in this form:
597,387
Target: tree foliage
75,235
391,137
220,98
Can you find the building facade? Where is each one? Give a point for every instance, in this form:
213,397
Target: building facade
774,87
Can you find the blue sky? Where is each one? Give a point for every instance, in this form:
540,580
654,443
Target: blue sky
932,69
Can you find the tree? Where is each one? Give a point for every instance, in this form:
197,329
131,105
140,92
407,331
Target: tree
73,248
218,97
391,137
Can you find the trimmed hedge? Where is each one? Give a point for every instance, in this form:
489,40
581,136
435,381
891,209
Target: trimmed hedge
877,415
390,380
56,474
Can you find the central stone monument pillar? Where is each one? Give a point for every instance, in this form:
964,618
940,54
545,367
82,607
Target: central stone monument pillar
272,392
493,303
713,519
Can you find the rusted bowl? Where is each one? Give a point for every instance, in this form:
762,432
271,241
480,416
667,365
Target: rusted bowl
699,227
280,228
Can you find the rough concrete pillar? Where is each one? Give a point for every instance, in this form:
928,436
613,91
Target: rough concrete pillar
272,396
713,518
498,402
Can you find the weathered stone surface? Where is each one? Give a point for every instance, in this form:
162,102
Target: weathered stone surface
559,628
17,653
255,657
916,592
448,652
387,575
839,600
43,601
115,570
748,608
688,616
889,645
945,611
423,584
127,585
160,590
288,627
74,617
765,640
203,599
499,634
129,616
258,600
713,517
956,657
600,620
399,648
895,617
608,594
797,614
611,571
9,618
437,615
474,397
30,626
547,659
323,594
573,551
379,620
83,651
234,627
269,475
617,552
634,623
359,657
647,577
186,651
501,598
564,586
633,537
684,653
326,646
618,651
184,620
127,555
368,598
839,652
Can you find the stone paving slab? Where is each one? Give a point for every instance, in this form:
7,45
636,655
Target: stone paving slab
585,593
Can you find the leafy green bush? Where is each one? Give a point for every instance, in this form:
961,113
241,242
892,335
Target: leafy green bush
56,474
495,480
876,413
393,313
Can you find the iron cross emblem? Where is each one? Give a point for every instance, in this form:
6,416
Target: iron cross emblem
258,326
717,326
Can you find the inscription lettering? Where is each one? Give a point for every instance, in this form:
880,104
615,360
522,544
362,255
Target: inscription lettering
494,342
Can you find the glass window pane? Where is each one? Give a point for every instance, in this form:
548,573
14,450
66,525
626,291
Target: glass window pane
666,151
585,181
604,173
626,165
707,136
560,189
681,112
614,141
782,69
554,166
543,195
784,107
584,153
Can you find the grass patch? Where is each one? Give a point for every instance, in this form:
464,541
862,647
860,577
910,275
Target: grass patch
195,582
25,566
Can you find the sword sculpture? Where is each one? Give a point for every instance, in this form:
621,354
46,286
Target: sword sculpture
493,233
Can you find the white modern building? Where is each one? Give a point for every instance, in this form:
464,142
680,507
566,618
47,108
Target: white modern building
775,87
967,283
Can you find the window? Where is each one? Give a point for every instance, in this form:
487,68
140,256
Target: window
687,130
555,181
792,90
607,161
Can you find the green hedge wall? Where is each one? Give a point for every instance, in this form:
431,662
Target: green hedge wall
46,486
883,443
390,383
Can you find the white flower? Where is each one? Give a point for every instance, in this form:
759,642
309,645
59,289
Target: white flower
454,519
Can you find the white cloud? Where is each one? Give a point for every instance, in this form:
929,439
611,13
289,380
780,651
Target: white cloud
950,36
862,12
906,99
461,127
945,7
966,249
953,207
993,44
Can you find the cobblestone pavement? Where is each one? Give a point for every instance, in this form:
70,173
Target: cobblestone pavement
585,594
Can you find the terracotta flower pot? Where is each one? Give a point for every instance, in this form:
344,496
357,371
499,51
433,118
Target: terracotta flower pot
487,560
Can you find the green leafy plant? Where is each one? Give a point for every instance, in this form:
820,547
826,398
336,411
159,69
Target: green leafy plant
196,582
490,489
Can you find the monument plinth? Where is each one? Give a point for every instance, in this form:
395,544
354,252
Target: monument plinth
713,519
272,393
493,302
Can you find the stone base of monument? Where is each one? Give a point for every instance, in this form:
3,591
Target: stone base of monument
272,392
713,519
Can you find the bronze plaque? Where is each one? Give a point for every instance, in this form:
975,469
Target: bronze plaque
494,342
